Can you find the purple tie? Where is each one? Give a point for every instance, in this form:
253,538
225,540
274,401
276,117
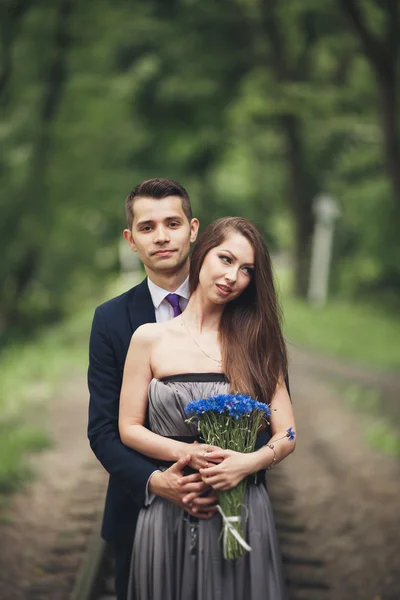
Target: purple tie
173,299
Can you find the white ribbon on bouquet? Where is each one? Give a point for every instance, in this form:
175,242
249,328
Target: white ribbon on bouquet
228,528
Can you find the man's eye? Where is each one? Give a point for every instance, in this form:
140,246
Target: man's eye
174,224
147,228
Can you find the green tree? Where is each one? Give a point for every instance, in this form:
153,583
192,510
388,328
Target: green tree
377,25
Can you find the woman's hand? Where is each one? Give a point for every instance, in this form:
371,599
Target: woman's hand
199,456
234,467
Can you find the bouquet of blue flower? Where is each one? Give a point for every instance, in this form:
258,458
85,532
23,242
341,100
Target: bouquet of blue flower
230,421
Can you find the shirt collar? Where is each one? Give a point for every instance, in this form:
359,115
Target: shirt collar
158,294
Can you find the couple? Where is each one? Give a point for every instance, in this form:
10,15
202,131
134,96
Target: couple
161,493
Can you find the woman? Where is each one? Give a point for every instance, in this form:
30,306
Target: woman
228,339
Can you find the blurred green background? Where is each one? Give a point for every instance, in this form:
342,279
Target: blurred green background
255,106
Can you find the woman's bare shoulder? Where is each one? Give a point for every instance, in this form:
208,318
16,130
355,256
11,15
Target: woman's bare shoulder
146,333
149,332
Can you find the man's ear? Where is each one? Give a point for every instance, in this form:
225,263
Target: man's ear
129,238
194,229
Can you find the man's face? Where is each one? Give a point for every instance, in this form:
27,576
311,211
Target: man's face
161,234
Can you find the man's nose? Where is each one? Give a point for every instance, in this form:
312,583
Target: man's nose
161,235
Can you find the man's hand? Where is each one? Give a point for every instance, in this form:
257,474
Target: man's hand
184,490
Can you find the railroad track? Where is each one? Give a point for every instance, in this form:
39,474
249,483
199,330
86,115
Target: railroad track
303,572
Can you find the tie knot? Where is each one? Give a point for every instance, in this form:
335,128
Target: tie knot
173,299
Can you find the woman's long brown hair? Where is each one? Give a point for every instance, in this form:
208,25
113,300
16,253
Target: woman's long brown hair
253,348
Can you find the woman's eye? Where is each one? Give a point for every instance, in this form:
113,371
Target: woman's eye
248,271
226,259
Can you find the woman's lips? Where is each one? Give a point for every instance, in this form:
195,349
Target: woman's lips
223,289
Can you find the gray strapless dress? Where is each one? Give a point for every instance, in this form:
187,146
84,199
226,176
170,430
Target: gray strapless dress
177,557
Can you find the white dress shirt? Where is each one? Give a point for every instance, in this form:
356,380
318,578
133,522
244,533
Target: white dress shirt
164,312
162,308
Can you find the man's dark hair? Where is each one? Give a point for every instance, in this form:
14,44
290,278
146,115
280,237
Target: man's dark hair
157,189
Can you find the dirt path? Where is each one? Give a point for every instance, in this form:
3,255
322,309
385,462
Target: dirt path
44,522
387,384
346,494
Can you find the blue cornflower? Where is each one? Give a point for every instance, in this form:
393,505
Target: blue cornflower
290,433
235,405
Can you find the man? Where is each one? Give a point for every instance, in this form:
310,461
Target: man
160,230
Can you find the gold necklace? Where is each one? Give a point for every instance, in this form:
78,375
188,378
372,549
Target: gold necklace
219,362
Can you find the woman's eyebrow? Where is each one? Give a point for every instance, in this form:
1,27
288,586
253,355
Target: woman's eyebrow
235,257
229,252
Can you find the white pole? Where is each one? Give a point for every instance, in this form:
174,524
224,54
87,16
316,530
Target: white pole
326,211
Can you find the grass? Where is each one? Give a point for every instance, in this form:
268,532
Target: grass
15,441
379,432
359,332
31,373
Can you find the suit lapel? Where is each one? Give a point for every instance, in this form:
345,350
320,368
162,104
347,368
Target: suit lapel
140,306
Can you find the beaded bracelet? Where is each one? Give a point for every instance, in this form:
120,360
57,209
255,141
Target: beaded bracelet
274,459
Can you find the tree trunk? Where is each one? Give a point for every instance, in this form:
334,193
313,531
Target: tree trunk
390,129
300,200
300,190
35,209
382,55
11,13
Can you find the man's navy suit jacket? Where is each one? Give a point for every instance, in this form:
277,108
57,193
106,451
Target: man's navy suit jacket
114,323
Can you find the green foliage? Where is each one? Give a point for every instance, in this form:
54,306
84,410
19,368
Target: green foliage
193,91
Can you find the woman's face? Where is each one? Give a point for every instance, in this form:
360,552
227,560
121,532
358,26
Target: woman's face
227,269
